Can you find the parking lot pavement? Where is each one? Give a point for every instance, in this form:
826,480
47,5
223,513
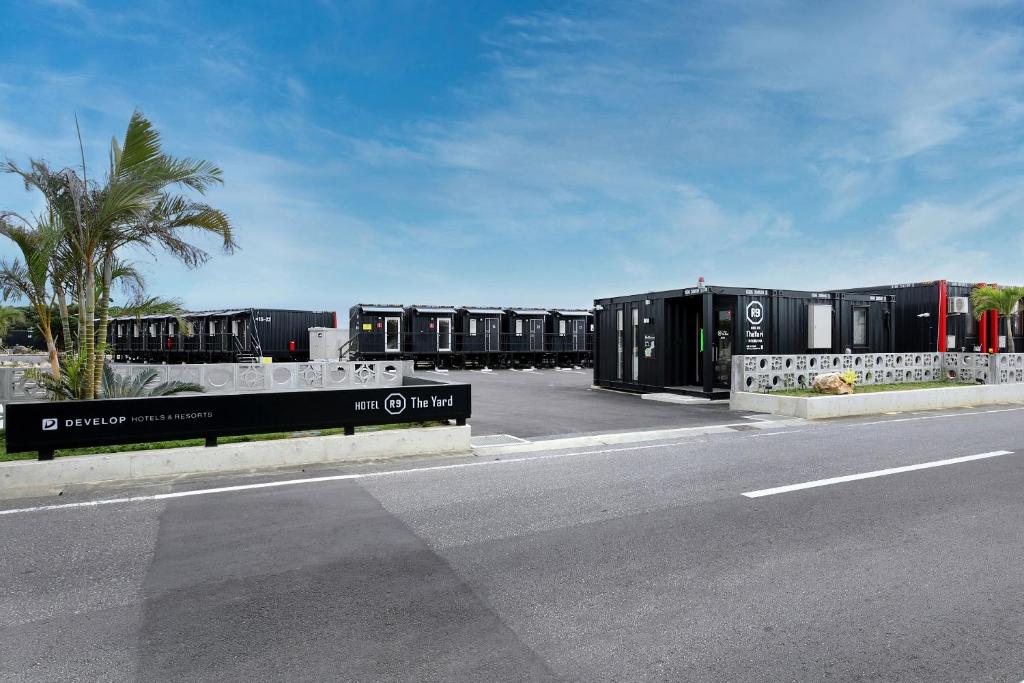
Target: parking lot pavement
547,403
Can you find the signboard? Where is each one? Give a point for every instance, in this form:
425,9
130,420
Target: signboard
649,346
69,424
754,336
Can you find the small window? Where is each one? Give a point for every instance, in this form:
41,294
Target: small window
519,328
561,327
120,329
860,326
152,329
135,330
170,329
234,328
213,327
472,327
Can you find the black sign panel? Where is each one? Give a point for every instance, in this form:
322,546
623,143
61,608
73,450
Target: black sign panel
69,424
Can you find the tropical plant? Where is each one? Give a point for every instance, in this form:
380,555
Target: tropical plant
849,376
141,385
1003,300
67,384
29,278
147,200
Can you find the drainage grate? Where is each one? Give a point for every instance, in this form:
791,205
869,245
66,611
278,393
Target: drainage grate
495,440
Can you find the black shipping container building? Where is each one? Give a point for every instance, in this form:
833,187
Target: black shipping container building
478,335
523,335
230,335
567,335
683,340
429,334
937,316
375,331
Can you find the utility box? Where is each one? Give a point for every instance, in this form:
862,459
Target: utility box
819,326
325,342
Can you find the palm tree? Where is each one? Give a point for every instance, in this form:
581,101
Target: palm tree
1003,300
141,385
138,204
28,278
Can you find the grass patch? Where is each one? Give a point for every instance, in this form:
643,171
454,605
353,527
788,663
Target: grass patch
874,388
183,443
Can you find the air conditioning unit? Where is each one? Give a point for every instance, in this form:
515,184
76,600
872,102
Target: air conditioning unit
959,304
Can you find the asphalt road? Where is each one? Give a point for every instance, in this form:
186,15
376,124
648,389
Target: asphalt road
641,562
545,403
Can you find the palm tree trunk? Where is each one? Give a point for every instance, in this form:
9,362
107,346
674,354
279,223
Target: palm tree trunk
81,317
1009,333
51,346
89,315
102,313
65,321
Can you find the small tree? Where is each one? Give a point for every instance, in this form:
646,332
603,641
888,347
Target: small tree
1003,300
9,317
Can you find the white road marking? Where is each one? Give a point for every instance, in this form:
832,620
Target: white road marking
335,477
871,475
787,431
935,417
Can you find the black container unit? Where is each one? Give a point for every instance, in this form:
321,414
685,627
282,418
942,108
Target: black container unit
221,336
568,336
938,316
376,331
683,340
478,336
430,337
523,336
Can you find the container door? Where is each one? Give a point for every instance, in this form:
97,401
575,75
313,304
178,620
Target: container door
723,346
579,335
492,332
444,334
536,334
392,335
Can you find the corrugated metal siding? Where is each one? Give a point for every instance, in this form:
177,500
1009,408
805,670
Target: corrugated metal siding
277,327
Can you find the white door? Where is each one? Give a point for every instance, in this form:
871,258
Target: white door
444,334
392,335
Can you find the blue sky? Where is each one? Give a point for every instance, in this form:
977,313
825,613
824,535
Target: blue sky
548,153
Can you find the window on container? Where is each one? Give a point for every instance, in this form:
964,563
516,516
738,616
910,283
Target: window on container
170,329
120,329
561,327
234,328
860,326
519,328
135,329
620,340
213,327
472,327
152,329
636,345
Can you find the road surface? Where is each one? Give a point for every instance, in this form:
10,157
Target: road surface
670,561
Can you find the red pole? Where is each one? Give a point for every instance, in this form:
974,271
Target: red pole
993,333
942,316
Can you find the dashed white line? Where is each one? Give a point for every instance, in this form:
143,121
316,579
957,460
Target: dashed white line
870,475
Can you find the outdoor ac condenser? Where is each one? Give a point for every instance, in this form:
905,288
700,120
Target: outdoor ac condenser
819,326
959,304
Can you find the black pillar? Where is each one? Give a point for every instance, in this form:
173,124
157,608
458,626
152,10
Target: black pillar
707,354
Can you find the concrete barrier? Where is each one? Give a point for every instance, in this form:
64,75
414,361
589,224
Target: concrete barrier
816,407
20,479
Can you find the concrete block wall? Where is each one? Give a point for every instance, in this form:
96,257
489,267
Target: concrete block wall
765,374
